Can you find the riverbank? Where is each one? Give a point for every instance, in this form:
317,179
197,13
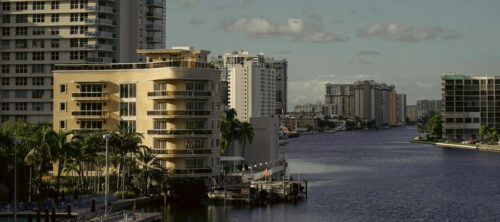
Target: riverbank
480,147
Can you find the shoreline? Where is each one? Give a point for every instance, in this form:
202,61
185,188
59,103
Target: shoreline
482,147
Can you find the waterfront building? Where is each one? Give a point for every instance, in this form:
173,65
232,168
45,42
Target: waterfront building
309,109
218,63
172,100
342,96
469,102
251,85
401,108
372,101
280,68
426,108
411,113
35,35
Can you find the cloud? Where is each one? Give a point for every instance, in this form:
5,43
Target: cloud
310,30
186,3
398,32
452,34
311,90
359,61
196,21
361,76
368,52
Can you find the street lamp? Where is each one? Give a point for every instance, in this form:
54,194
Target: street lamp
107,137
15,178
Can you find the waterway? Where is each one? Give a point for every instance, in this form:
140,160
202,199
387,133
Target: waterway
374,176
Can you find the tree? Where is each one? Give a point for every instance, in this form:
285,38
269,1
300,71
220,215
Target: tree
148,168
488,134
62,149
435,126
245,134
229,128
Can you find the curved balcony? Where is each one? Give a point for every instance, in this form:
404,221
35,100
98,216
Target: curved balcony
89,114
155,3
154,15
164,94
189,171
180,133
90,96
161,114
165,153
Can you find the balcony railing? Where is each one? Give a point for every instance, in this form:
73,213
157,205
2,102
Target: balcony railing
154,39
99,60
89,113
99,47
100,34
190,171
154,15
193,113
154,27
179,132
155,3
102,9
198,151
165,93
90,95
100,21
152,65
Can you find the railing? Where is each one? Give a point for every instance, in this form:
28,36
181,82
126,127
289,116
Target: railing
89,95
153,39
183,151
99,60
99,47
100,34
153,27
180,93
100,22
88,113
154,15
152,65
179,132
178,113
190,171
157,3
100,9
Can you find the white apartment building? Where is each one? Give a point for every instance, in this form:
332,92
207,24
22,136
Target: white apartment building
372,101
36,35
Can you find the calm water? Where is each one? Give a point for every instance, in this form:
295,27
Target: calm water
376,176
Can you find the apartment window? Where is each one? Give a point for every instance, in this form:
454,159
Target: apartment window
4,94
38,31
73,5
5,107
37,68
54,31
21,68
5,31
73,30
5,44
21,81
21,94
37,107
5,56
128,90
21,43
5,69
54,55
38,43
5,81
38,56
195,105
194,124
38,5
6,6
62,124
21,6
54,18
21,56
83,16
194,143
54,5
73,55
194,86
91,106
83,3
194,163
54,43
91,124
73,17
21,18
84,29
129,125
5,19
21,31
21,117
37,81
21,106
83,55
127,109
37,94
62,88
62,106
51,81
73,43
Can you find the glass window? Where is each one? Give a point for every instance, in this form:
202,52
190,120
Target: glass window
21,6
21,56
54,55
54,31
38,31
21,43
37,68
38,5
38,43
127,109
54,18
62,88
5,107
5,56
21,81
21,18
37,81
21,94
62,124
5,44
21,106
6,6
21,31
62,106
54,5
5,81
128,90
37,56
37,94
54,43
5,19
5,69
5,31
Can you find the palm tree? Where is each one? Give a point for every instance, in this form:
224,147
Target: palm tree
62,149
91,144
245,134
148,168
229,128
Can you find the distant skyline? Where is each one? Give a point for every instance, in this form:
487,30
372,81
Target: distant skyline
407,43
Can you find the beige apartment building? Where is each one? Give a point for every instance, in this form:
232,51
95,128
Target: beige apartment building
173,100
35,35
342,96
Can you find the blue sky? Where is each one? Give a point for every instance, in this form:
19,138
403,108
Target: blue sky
409,43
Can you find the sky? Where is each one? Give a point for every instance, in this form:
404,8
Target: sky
408,43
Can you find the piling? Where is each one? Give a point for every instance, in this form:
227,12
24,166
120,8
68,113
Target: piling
69,211
38,216
92,209
46,215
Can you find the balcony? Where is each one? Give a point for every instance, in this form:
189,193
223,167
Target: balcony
107,35
100,22
89,114
100,9
179,113
154,27
155,3
154,15
189,171
154,39
164,94
99,60
182,152
179,133
102,47
90,96
151,65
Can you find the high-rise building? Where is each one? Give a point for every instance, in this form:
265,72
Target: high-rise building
218,63
372,101
309,109
411,113
172,100
469,102
280,68
400,108
426,108
341,95
252,84
35,35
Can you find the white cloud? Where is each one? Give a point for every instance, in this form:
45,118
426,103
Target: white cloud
398,32
321,37
368,52
361,77
359,61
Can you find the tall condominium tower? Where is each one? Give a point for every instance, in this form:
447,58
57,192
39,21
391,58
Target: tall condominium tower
341,95
35,35
172,100
280,68
372,101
